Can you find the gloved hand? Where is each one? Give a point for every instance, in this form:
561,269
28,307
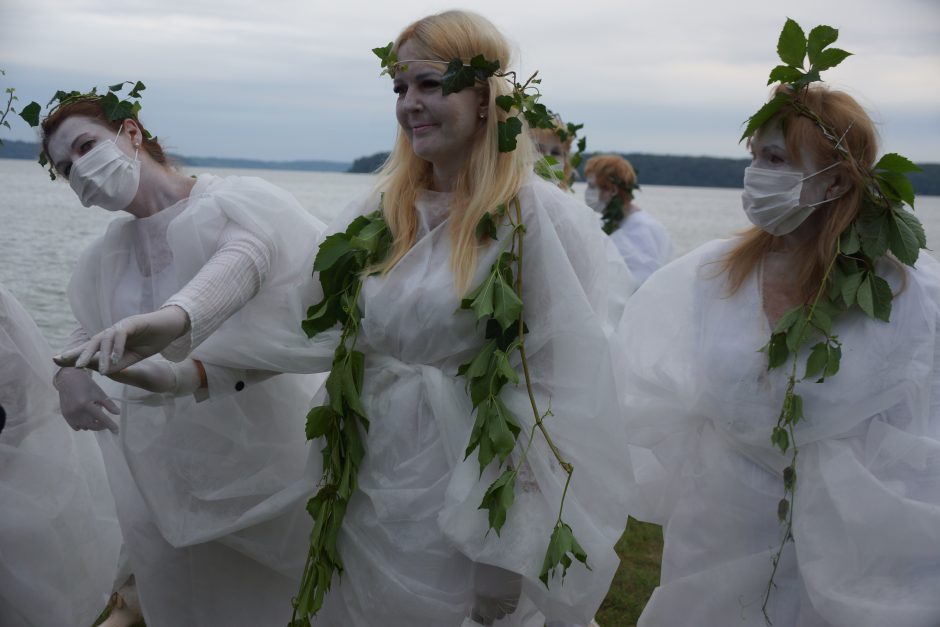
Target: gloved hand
495,593
81,401
158,375
129,340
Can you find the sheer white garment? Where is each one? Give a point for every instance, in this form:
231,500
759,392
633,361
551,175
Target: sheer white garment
59,536
210,495
644,244
414,529
701,406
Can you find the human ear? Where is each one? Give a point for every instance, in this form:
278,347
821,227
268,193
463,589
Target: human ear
839,186
132,129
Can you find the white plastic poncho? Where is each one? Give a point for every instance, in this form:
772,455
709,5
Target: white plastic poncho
867,503
210,495
59,536
644,244
414,528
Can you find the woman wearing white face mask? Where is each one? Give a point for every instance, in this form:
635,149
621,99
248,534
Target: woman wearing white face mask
858,541
206,478
641,239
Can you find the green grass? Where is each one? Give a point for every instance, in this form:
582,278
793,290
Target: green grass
640,550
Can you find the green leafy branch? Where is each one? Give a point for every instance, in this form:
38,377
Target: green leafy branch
342,260
851,281
497,301
794,50
565,133
8,108
613,215
114,106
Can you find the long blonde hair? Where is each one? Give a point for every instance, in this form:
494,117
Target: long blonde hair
842,113
488,177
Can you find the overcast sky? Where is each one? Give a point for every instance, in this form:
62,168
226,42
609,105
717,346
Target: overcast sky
296,79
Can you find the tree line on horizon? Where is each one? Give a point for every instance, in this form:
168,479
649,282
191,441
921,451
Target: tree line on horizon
651,169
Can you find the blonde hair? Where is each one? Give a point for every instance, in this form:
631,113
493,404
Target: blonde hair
613,173
488,178
843,114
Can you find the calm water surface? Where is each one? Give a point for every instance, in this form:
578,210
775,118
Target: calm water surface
43,227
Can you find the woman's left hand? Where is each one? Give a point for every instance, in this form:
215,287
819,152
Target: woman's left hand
129,340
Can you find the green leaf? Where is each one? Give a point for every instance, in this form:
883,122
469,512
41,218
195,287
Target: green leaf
780,438
321,316
487,228
30,113
881,298
777,351
352,389
505,102
873,230
893,162
791,46
561,549
819,38
478,366
793,409
389,59
783,508
507,306
764,114
480,300
507,132
899,185
504,368
829,58
319,421
457,77
864,296
498,499
850,288
784,74
818,358
848,242
902,241
370,237
789,478
913,224
833,362
797,334
484,68
116,87
789,318
138,87
331,249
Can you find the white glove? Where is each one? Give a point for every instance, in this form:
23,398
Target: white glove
81,401
495,593
129,340
160,376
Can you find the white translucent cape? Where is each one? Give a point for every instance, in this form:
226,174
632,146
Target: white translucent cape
643,243
59,536
701,406
414,529
209,495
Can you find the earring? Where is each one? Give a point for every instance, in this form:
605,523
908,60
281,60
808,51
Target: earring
482,114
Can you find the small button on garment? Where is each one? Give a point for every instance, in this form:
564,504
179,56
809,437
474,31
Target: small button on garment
239,386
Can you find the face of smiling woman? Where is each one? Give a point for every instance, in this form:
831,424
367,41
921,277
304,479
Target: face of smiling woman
442,129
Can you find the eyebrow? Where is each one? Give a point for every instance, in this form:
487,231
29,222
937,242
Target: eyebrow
58,166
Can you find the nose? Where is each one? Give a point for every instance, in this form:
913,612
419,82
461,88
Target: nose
413,102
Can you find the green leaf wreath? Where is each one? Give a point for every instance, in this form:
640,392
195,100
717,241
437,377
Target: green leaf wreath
851,281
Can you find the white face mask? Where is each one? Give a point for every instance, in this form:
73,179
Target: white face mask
771,199
592,198
105,176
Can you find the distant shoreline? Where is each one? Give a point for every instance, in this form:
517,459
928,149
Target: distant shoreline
673,170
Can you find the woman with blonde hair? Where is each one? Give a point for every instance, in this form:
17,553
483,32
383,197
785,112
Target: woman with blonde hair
555,143
796,483
641,239
416,547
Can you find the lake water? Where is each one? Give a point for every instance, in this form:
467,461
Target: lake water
43,227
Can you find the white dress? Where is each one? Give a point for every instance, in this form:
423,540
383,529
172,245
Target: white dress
210,495
644,244
414,529
59,536
701,404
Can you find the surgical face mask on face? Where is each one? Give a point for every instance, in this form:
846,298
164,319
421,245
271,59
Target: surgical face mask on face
592,198
105,176
771,199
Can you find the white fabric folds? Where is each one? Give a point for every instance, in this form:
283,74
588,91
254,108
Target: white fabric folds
414,529
644,244
701,406
210,495
59,536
